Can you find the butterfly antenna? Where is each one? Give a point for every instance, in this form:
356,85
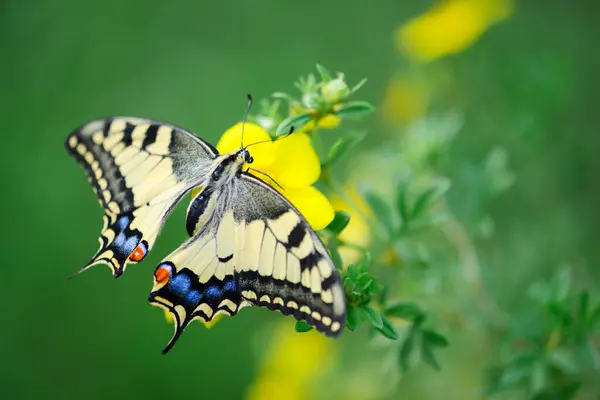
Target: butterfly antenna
248,107
269,140
267,175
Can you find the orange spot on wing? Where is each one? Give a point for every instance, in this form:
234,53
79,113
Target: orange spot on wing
161,275
139,253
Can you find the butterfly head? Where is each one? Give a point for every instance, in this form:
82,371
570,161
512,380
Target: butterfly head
228,165
244,156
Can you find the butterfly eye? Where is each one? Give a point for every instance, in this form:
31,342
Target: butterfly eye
250,160
218,171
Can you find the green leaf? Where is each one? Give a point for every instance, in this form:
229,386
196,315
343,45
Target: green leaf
401,202
435,339
429,197
388,330
561,283
339,223
372,316
405,310
354,319
564,360
354,110
381,211
514,375
358,85
565,392
296,121
303,326
365,262
561,312
406,350
428,356
539,377
589,352
325,75
341,146
282,96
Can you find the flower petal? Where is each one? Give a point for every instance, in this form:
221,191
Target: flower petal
358,231
312,204
450,27
213,321
263,153
296,163
329,121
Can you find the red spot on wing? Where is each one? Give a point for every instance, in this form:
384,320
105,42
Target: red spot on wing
162,275
139,253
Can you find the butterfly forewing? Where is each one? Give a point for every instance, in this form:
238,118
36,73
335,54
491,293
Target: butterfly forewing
254,249
138,169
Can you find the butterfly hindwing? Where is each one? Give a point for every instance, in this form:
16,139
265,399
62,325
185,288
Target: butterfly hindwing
252,248
138,169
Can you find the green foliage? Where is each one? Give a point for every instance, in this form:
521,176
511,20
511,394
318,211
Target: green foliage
296,122
341,146
340,221
302,326
550,361
354,110
418,242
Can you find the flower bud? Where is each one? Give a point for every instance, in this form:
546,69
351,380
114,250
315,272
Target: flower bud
267,123
335,90
310,100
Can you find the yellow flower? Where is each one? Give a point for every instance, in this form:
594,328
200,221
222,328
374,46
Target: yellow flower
292,363
357,232
405,100
328,121
291,162
450,27
208,324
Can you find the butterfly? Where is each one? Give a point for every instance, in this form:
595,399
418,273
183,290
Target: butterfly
248,245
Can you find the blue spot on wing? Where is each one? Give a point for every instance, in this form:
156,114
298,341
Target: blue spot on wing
230,286
213,291
123,222
130,245
119,240
180,284
193,297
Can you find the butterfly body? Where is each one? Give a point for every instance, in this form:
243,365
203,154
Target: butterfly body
248,245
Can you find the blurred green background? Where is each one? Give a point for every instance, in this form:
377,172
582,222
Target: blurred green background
529,85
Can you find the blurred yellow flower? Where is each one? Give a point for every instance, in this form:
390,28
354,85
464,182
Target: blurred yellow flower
329,121
405,100
291,364
291,162
450,27
357,232
208,324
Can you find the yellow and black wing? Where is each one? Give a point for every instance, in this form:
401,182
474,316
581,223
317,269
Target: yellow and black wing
139,170
251,247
